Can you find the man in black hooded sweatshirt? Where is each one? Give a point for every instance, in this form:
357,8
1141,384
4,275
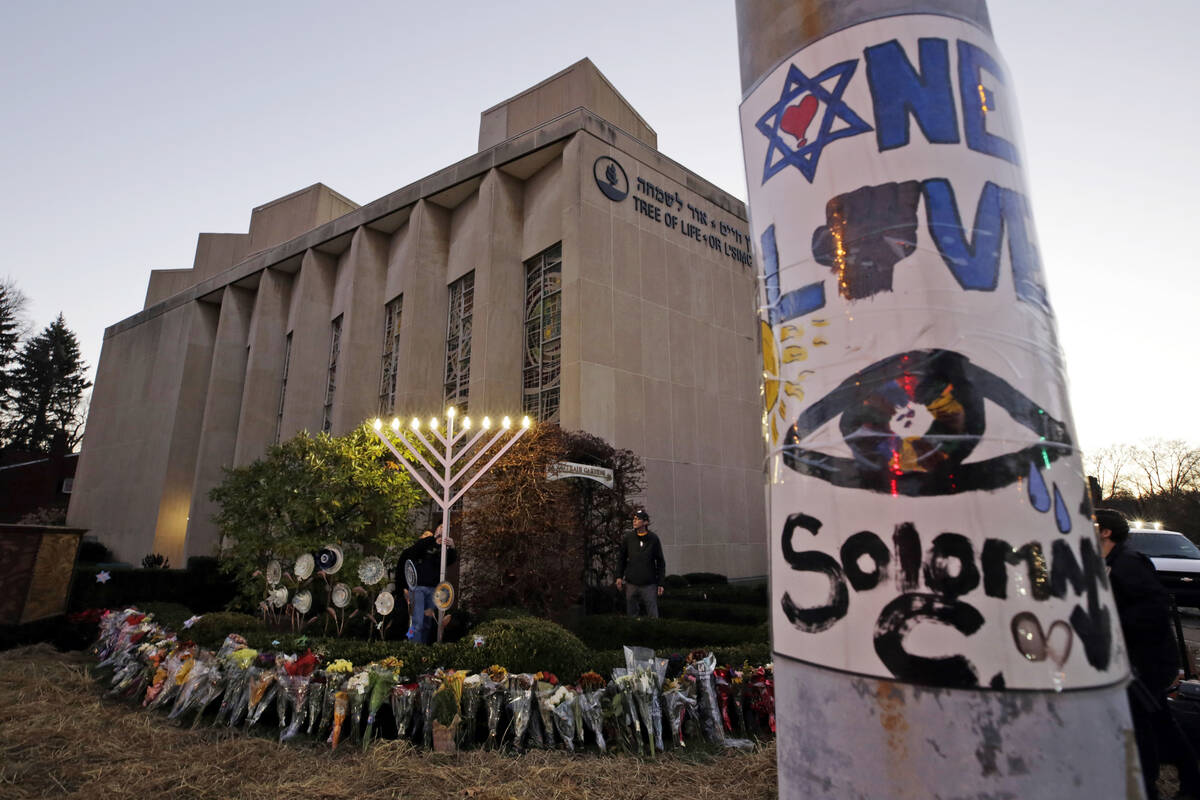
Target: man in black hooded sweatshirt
641,567
426,557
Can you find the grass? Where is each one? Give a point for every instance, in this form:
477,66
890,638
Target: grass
59,738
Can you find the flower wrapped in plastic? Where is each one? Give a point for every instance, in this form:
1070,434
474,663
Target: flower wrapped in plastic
620,714
403,700
722,678
495,698
643,659
546,686
641,686
294,686
381,678
761,694
341,701
237,685
562,711
166,684
426,687
209,690
472,698
336,675
263,685
701,666
520,706
316,700
356,687
679,697
591,686
195,678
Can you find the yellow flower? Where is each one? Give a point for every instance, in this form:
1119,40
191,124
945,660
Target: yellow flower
340,665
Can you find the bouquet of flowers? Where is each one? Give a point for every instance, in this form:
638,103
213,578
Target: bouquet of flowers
495,697
722,677
237,685
196,678
701,666
341,701
562,704
316,700
381,679
426,686
262,688
294,686
643,659
520,705
472,696
621,714
166,682
210,689
762,694
591,687
679,697
547,685
356,687
403,698
336,675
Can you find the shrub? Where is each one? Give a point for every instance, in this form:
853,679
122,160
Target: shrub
204,591
211,629
308,492
93,552
525,644
169,615
605,632
675,582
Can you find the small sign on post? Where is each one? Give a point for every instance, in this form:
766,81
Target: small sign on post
570,469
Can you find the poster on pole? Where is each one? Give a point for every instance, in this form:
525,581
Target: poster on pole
930,522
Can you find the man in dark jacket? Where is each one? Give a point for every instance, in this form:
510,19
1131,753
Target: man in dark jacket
1144,608
641,567
425,558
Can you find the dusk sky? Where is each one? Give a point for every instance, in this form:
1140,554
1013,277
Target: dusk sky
131,127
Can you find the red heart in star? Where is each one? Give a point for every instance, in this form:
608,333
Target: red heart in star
797,118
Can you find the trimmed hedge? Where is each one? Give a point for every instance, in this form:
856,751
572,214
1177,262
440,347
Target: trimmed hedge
712,611
746,593
611,631
203,590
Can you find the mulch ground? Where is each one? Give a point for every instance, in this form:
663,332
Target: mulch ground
60,738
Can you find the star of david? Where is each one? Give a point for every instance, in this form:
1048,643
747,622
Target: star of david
780,154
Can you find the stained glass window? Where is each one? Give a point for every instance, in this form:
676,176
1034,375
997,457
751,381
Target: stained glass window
390,360
543,334
458,342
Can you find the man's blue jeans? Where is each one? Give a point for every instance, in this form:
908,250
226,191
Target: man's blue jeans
422,598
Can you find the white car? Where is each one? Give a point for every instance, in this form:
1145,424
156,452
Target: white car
1175,557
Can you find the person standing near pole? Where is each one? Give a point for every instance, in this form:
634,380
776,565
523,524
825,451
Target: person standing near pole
941,618
420,565
641,568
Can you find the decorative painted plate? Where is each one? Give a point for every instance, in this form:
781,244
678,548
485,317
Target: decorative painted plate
371,571
443,596
302,601
410,573
303,568
278,597
329,559
274,572
384,603
339,595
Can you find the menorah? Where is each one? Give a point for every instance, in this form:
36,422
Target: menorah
449,453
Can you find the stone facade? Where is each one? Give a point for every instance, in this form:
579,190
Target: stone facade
658,347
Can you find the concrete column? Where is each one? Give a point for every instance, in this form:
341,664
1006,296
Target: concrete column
219,431
308,321
265,343
421,259
359,297
498,327
179,472
915,655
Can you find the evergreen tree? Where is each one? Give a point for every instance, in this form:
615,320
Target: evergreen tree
47,391
12,309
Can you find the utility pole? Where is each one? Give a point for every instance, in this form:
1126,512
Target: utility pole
941,616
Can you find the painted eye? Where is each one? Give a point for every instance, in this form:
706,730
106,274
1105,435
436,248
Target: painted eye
882,409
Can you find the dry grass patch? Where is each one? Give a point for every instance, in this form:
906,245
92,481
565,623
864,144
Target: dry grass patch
59,738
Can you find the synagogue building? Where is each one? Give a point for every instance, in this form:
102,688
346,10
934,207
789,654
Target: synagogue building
568,270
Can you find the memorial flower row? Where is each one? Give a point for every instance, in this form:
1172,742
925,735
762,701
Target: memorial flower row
645,707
